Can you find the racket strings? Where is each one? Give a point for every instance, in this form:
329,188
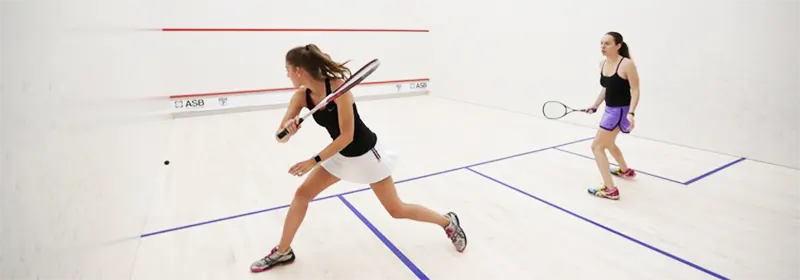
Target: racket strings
554,110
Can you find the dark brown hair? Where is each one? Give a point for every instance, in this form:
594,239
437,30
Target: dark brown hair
317,63
623,50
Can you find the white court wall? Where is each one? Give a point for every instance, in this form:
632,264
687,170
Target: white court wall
85,85
221,61
211,61
115,50
720,76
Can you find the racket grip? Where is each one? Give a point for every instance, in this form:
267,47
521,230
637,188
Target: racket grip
283,133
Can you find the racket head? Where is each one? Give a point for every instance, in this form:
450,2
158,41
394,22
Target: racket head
554,110
348,84
356,78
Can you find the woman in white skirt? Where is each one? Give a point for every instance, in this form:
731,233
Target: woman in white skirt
354,155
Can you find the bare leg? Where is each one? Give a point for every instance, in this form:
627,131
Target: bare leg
317,181
616,152
387,193
603,141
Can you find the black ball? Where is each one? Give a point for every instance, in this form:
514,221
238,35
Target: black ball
166,162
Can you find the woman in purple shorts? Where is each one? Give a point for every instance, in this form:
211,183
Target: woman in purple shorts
620,81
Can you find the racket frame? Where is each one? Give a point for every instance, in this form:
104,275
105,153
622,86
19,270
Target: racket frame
567,110
348,84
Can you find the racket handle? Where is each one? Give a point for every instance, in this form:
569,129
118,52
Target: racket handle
285,131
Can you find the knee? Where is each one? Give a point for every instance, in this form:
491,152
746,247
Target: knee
303,194
598,146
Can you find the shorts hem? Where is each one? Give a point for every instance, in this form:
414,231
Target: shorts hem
608,129
612,129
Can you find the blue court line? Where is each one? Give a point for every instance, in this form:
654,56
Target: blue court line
638,171
709,272
355,191
665,178
213,221
385,240
714,171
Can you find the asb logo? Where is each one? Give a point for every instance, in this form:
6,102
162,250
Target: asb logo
195,103
419,85
192,103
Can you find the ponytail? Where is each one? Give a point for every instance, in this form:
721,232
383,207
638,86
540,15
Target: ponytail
623,50
317,63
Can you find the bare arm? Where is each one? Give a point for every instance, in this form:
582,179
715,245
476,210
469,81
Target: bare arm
293,109
633,78
346,125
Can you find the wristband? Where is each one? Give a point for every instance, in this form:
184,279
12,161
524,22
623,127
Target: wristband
632,114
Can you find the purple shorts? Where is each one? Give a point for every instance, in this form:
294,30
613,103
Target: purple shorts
616,116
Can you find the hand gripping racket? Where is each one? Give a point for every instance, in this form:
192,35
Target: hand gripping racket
556,110
355,79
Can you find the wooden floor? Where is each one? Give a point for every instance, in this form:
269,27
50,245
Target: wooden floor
97,202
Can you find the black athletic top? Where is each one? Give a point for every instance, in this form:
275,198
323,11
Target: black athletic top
618,90
363,138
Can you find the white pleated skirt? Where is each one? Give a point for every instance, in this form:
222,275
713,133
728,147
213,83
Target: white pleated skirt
371,167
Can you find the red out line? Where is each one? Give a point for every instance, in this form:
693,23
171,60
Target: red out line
190,95
288,30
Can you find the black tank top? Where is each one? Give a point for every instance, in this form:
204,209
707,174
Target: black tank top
618,90
363,138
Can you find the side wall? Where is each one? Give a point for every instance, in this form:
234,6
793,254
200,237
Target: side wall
720,76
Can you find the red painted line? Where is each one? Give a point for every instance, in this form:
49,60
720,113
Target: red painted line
288,30
190,95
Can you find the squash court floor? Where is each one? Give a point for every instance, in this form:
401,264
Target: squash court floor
517,182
